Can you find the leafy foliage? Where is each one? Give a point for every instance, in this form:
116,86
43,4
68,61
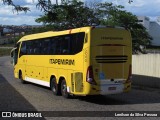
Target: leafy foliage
69,15
116,16
16,8
73,13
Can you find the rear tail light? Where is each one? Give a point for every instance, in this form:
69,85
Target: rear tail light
129,74
90,77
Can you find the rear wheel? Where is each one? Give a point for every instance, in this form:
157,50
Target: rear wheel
54,87
64,89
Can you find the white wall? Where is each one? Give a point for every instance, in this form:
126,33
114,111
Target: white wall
146,64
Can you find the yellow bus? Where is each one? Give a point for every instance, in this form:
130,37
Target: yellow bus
82,61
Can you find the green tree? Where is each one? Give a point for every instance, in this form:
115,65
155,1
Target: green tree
42,4
116,16
69,15
73,13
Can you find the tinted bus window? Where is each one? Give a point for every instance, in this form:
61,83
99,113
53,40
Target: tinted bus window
60,45
77,41
23,49
67,44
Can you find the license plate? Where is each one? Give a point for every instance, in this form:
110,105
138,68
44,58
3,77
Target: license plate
112,88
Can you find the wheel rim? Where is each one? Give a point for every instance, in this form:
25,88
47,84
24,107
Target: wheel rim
54,88
64,88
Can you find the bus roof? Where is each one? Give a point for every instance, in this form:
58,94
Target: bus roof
57,33
52,33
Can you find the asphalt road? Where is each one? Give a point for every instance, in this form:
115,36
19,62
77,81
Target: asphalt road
15,96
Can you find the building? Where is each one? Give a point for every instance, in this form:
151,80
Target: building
153,29
145,21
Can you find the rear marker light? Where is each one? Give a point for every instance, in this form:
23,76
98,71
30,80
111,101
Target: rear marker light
90,76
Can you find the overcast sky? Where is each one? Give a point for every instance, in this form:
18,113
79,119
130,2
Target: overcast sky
150,8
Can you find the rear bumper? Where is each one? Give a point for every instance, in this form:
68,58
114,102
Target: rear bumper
107,87
111,89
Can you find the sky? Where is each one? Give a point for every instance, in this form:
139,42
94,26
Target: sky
148,8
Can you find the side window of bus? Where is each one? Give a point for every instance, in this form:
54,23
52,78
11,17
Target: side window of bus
63,45
52,46
23,49
56,45
16,53
36,47
60,45
77,41
45,46
33,47
28,47
66,44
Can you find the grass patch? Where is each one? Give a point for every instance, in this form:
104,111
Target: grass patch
5,51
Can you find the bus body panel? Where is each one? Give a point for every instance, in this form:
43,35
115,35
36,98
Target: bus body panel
107,50
111,59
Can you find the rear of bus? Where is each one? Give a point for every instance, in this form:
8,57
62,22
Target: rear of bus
109,70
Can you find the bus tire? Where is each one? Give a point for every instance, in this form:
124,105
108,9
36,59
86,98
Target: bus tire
64,89
21,78
54,87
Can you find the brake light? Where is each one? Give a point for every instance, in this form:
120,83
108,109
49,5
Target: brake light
90,76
